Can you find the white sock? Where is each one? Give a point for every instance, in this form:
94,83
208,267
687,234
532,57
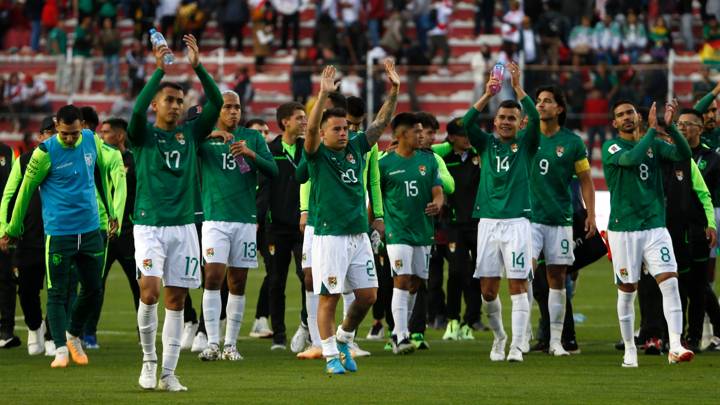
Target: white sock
147,320
528,329
556,308
398,305
211,307
672,308
348,299
235,310
493,309
329,348
520,310
626,316
171,336
344,336
311,304
411,305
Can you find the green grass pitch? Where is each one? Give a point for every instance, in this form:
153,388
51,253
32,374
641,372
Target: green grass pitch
451,372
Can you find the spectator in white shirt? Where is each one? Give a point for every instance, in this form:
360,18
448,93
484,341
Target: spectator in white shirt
606,39
634,37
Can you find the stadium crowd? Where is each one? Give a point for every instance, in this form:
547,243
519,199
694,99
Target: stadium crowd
192,197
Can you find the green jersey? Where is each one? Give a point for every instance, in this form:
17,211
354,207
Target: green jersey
227,193
557,159
634,178
504,191
166,162
407,185
339,190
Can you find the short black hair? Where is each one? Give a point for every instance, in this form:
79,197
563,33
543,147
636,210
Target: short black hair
619,103
116,123
428,120
338,100
691,111
559,97
455,127
404,119
171,85
286,110
68,114
355,106
89,117
332,113
510,104
255,121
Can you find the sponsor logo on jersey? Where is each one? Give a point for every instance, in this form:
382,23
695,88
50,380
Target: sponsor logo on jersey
702,164
398,264
396,172
559,151
350,158
2,160
210,252
514,148
180,137
147,264
332,282
650,153
679,175
88,159
614,148
422,169
623,273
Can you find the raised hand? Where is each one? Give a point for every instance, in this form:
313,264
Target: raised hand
652,117
514,70
392,75
193,54
670,109
327,80
159,53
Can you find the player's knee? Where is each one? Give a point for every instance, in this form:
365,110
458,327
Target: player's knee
148,297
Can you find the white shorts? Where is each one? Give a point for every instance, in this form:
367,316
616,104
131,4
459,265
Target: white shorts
555,241
170,252
631,249
713,251
306,261
342,263
231,243
406,260
504,244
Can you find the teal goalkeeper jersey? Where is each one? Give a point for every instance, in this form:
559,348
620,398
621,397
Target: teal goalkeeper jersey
227,193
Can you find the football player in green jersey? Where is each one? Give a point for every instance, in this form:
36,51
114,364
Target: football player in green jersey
503,207
229,186
342,255
561,155
636,229
167,250
412,194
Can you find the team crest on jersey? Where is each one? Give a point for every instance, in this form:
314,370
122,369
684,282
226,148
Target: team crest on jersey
398,264
350,158
650,153
514,148
559,151
422,169
180,137
210,252
679,175
332,282
702,165
2,161
88,159
623,273
56,259
147,264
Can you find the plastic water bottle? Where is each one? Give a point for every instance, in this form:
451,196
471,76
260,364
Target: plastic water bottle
498,72
157,39
242,164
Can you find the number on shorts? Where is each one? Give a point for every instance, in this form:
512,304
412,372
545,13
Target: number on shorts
518,260
191,261
665,254
565,246
644,172
228,161
370,268
544,166
427,261
250,249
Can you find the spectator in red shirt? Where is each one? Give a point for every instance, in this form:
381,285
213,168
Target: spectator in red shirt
595,120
